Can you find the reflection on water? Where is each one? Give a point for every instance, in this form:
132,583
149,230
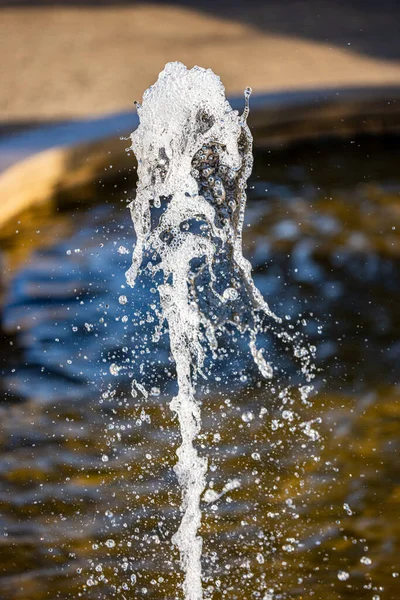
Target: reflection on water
87,486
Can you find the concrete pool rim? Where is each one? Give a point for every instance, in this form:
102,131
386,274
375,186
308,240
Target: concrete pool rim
37,162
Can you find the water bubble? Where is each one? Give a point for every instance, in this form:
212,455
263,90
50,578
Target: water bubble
230,294
343,575
365,560
255,456
110,543
104,458
123,299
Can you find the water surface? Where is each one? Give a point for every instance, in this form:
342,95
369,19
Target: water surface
86,470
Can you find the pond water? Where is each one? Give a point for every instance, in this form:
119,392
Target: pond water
87,487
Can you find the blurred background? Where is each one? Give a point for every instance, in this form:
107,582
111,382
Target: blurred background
84,511
78,58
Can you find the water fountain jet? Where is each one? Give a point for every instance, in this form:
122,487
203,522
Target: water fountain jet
194,157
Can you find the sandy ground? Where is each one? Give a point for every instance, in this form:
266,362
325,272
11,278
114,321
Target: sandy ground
62,61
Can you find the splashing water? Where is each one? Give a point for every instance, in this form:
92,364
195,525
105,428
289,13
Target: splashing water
194,157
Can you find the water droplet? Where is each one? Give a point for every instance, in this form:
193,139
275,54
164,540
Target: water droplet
247,416
114,369
287,415
260,558
347,509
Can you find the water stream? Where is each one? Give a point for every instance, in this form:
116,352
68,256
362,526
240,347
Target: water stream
194,157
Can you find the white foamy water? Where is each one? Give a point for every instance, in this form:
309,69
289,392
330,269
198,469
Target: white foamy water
194,157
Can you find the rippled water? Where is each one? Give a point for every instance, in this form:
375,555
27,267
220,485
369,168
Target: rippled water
86,476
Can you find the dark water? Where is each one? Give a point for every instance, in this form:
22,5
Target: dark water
87,489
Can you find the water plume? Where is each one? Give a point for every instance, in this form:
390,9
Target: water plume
194,155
